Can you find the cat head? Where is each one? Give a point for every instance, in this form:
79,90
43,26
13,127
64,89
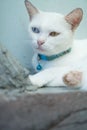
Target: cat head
52,32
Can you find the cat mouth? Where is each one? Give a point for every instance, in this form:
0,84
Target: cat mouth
40,48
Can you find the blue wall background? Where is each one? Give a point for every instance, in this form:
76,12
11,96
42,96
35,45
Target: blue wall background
14,24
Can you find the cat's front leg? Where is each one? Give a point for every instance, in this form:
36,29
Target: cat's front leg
52,77
43,78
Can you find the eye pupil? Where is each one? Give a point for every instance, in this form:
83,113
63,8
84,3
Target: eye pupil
54,34
35,30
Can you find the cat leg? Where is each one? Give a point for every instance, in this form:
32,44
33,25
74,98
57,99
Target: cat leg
51,77
43,78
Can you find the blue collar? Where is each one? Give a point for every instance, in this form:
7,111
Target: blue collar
52,57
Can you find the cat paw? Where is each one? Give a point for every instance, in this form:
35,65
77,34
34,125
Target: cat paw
73,79
35,82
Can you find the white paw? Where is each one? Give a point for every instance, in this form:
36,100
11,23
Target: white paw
35,82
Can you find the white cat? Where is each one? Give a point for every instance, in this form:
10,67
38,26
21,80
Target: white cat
58,59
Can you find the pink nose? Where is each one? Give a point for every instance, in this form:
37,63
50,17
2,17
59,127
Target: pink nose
40,42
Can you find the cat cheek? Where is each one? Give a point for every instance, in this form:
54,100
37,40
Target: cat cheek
34,43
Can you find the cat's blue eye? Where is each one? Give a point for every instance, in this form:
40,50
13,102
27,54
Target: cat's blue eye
35,30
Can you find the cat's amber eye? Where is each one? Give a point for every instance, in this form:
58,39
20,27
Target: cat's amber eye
53,34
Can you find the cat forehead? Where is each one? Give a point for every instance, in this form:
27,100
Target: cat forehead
49,15
47,18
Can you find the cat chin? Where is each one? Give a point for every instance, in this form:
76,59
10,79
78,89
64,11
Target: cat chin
44,51
40,49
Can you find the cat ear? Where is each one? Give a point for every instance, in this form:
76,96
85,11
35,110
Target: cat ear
74,18
32,10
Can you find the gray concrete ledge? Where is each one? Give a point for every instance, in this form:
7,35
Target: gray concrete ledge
44,111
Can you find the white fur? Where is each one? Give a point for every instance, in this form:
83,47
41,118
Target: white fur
48,22
53,71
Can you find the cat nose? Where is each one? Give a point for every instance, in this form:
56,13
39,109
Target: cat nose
40,42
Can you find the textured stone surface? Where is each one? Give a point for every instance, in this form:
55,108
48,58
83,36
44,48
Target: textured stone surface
44,111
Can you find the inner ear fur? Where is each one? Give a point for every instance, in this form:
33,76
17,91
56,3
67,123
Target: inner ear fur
31,9
74,18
